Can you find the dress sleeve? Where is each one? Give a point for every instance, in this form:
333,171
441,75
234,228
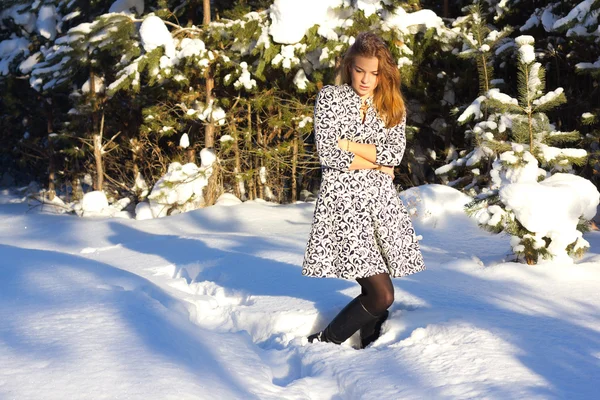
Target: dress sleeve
327,132
390,153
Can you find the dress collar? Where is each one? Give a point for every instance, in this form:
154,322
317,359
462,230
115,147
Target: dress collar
348,89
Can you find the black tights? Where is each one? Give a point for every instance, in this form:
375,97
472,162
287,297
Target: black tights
377,293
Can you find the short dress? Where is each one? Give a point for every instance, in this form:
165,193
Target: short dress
360,226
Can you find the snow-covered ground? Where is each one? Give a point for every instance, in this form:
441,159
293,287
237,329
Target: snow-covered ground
211,304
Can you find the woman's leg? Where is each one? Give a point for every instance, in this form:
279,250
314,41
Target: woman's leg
365,312
378,294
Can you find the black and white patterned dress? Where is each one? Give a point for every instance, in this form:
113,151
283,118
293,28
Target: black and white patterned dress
360,226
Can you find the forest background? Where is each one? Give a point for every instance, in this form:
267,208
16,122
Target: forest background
107,95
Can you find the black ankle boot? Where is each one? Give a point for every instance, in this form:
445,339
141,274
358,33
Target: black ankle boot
348,321
371,331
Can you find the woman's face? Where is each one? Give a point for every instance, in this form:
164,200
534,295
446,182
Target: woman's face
364,75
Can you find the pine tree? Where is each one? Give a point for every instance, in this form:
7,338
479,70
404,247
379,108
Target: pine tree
531,144
26,30
482,42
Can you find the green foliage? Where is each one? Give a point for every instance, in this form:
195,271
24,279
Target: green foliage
267,120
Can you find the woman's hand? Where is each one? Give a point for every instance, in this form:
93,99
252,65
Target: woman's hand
343,144
387,170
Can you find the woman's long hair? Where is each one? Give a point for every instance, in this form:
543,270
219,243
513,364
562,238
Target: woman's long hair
387,97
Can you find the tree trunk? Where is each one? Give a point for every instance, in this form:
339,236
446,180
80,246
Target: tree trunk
211,191
238,162
260,139
209,132
251,188
209,135
281,185
99,184
206,20
97,137
51,160
446,9
248,143
135,149
294,168
190,155
99,167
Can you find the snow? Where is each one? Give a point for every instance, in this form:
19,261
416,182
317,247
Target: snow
245,78
98,85
305,120
474,110
534,83
550,153
20,15
412,23
577,13
431,204
154,34
143,211
300,79
548,18
290,19
533,21
552,208
213,113
71,15
191,47
140,186
525,40
526,54
207,157
94,202
46,22
502,97
287,57
369,7
26,66
504,47
404,61
184,141
264,39
527,172
180,189
587,65
124,6
548,97
9,50
228,199
211,304
526,50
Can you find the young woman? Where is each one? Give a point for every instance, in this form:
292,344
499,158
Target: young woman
361,230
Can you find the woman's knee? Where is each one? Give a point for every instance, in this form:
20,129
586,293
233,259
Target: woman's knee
387,299
382,301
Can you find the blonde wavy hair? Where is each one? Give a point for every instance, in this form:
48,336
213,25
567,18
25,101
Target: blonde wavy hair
387,97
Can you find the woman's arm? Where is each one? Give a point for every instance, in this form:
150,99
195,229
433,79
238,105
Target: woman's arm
361,163
366,151
389,153
327,133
